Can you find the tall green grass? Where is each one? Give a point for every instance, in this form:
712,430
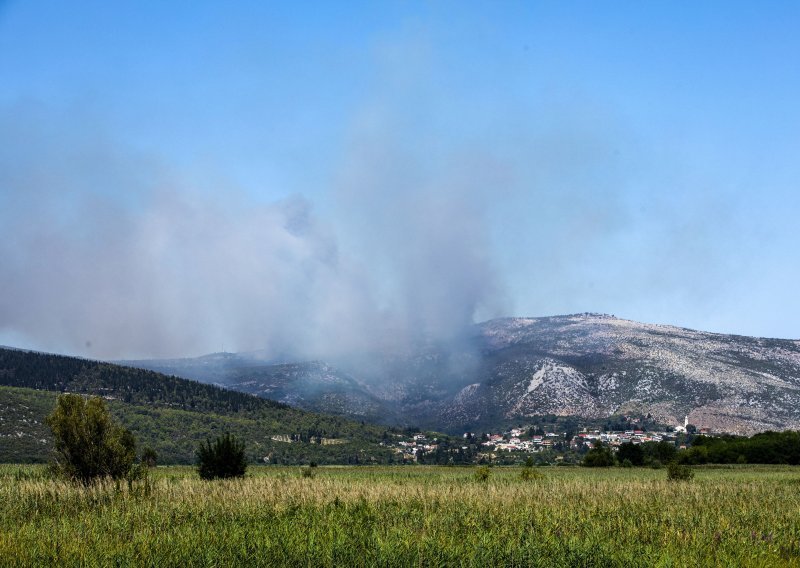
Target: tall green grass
405,516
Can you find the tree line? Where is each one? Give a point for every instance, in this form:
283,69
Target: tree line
59,373
763,448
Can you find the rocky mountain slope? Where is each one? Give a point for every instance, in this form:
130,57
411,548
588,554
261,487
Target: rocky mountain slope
512,369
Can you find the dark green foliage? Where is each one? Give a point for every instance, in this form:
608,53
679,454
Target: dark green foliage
134,386
764,448
599,456
678,472
633,453
694,456
171,415
149,457
88,444
225,458
663,452
176,434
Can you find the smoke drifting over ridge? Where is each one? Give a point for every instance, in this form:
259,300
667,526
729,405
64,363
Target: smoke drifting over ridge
111,253
107,254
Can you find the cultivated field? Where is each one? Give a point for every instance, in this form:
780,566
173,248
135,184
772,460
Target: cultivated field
406,516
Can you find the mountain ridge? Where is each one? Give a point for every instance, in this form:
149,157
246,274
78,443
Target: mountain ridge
514,369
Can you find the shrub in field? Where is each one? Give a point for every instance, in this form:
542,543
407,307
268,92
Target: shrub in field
530,474
308,472
88,444
679,472
224,458
149,457
482,473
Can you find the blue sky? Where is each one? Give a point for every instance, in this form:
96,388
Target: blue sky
444,162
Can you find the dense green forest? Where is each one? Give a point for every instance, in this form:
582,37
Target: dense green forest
42,371
764,448
170,414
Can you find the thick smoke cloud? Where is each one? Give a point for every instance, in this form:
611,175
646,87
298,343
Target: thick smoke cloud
109,254
425,229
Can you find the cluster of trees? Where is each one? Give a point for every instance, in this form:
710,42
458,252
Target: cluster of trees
90,445
629,454
764,448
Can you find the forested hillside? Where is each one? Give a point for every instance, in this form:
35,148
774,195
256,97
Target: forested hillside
42,371
170,414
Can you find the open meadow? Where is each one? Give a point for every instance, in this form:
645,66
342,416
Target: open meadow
405,516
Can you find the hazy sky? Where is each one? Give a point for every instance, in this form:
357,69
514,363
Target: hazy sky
176,177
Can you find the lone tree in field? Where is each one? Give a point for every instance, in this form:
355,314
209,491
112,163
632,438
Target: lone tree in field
88,443
223,459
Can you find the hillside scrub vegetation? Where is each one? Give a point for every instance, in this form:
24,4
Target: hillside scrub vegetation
176,433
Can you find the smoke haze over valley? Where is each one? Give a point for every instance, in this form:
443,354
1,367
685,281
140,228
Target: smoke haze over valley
319,195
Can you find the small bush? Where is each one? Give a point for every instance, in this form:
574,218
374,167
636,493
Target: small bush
149,457
626,463
678,472
530,474
307,472
224,458
482,473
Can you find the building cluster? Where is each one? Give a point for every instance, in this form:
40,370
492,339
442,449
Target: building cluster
616,439
417,444
512,441
530,441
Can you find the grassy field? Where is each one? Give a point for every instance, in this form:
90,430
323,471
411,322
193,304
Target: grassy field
406,516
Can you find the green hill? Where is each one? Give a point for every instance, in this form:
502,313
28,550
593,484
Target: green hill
170,414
